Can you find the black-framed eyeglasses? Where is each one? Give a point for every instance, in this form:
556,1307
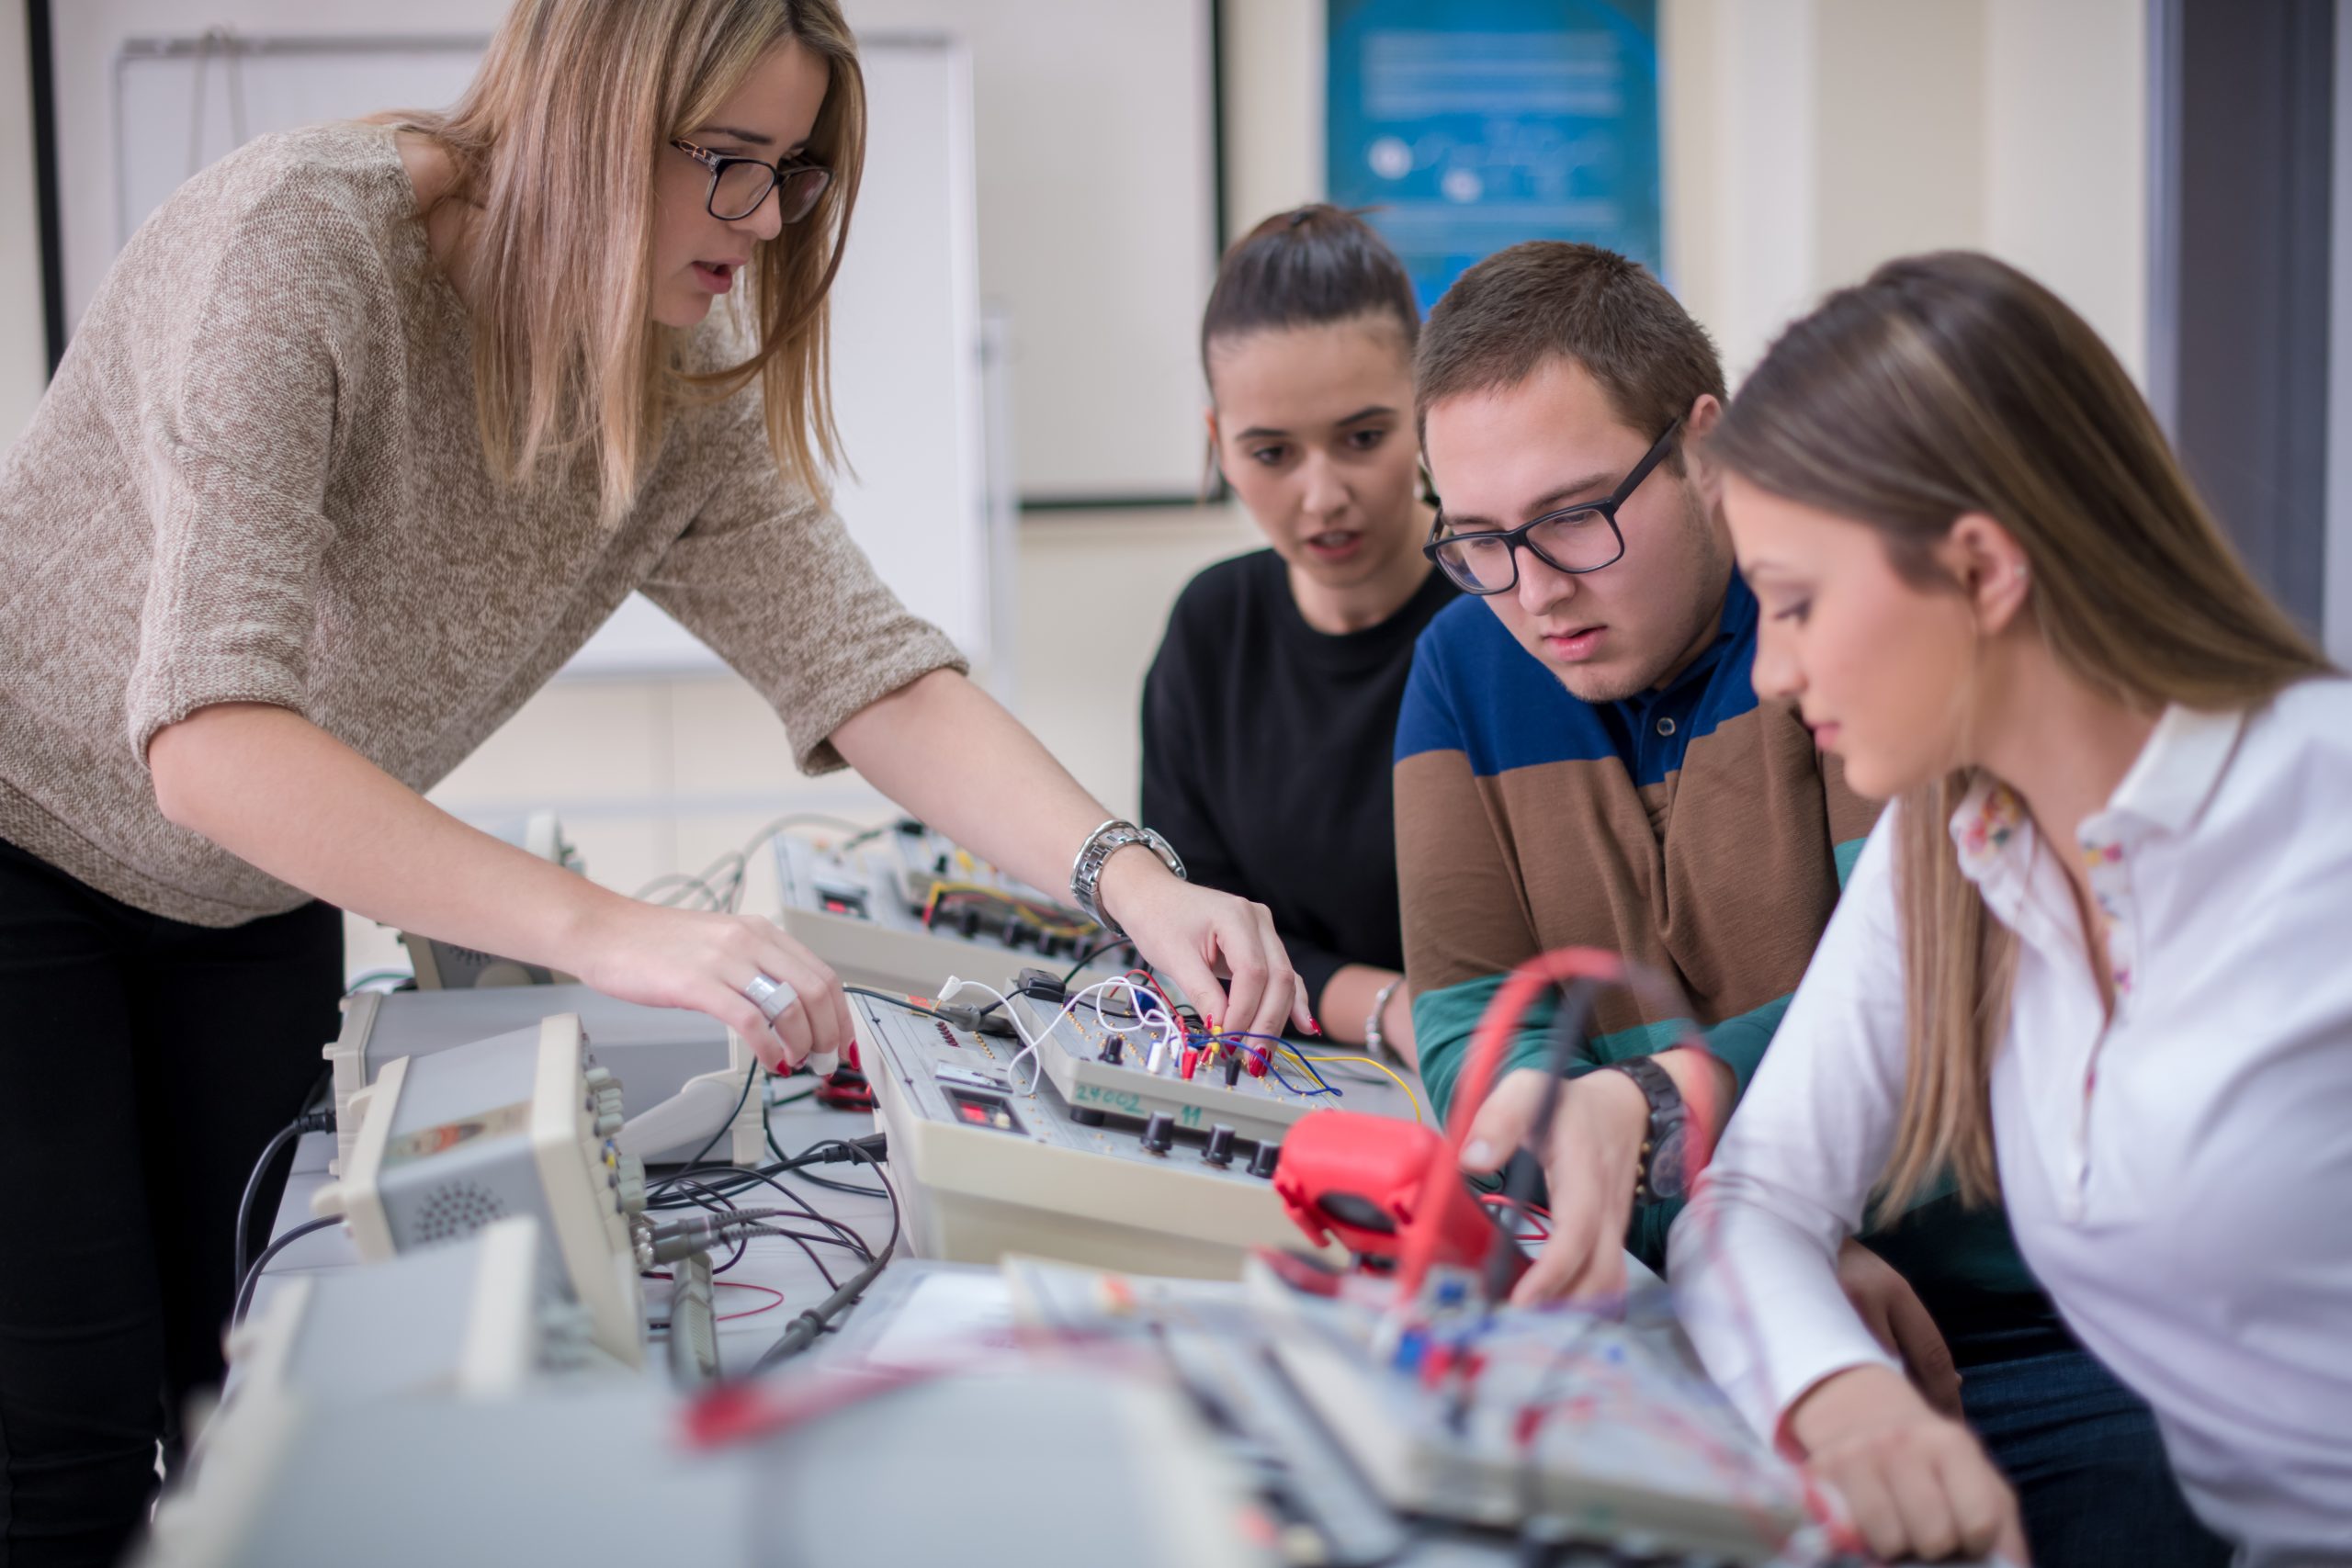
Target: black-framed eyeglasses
1574,539
738,186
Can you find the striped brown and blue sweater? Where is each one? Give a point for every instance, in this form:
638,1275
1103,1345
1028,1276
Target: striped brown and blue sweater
1694,829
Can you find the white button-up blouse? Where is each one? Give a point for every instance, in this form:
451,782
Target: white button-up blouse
2179,1177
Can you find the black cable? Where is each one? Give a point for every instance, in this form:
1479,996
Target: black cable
1568,1029
850,1238
252,1275
805,1329
894,1001
843,1236
309,1121
830,1185
863,1149
717,1205
1107,944
721,1131
720,1205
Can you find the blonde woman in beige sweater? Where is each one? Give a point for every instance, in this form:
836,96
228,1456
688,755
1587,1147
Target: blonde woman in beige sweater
369,430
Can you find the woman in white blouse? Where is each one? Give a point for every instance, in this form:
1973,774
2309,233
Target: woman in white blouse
2097,956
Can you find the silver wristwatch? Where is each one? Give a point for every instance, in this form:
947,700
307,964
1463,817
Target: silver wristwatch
1086,872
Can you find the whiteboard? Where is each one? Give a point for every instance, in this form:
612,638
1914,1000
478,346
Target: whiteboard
1098,186
907,346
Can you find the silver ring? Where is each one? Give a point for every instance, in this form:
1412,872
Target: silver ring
769,995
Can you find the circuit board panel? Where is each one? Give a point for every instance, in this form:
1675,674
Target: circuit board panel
907,906
989,1159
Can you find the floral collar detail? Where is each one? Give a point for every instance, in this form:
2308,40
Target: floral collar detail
1987,820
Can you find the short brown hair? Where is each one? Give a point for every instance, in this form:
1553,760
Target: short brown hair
1546,299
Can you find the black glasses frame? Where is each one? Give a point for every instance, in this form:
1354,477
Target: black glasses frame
779,173
1523,536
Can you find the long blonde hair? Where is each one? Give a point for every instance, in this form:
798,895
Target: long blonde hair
555,145
1948,384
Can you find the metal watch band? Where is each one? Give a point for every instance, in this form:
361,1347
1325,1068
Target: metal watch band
1086,872
1668,1114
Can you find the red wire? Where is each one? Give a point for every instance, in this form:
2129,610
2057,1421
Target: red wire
750,1311
734,1285
1149,978
1487,1048
1533,1212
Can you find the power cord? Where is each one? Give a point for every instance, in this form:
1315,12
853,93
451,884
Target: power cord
309,1121
252,1275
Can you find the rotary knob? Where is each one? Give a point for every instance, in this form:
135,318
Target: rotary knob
1159,1133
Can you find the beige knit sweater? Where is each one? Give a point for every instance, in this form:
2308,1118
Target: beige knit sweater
257,478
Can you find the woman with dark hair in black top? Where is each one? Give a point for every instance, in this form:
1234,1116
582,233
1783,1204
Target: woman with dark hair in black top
1270,713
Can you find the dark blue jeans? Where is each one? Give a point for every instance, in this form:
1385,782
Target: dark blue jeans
2088,1466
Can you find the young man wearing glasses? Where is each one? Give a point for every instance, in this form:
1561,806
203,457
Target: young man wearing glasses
1582,761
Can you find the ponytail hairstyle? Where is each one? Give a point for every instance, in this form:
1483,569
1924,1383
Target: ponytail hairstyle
1307,267
1953,383
555,145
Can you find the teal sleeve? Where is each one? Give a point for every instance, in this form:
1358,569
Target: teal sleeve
1646,1231
1444,1023
1738,1042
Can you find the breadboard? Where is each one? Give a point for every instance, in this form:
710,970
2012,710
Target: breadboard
1073,1047
1633,1440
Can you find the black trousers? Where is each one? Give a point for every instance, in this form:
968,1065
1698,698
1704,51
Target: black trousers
145,1064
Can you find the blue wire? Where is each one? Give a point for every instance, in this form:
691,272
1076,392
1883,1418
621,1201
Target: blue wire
1267,1051
1323,1085
1302,1093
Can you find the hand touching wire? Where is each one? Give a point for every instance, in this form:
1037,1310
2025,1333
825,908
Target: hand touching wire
1194,935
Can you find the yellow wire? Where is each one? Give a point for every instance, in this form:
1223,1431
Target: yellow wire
1410,1097
1051,927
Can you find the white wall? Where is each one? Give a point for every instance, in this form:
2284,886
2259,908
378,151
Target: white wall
1808,139
2067,144
24,352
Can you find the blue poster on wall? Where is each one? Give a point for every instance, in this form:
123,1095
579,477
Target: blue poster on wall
1475,124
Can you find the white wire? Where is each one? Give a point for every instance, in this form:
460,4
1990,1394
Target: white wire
1029,1042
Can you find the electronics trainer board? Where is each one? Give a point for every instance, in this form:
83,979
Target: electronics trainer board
903,906
1148,1173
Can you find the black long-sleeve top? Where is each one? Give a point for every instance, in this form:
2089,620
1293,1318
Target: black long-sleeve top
1267,755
